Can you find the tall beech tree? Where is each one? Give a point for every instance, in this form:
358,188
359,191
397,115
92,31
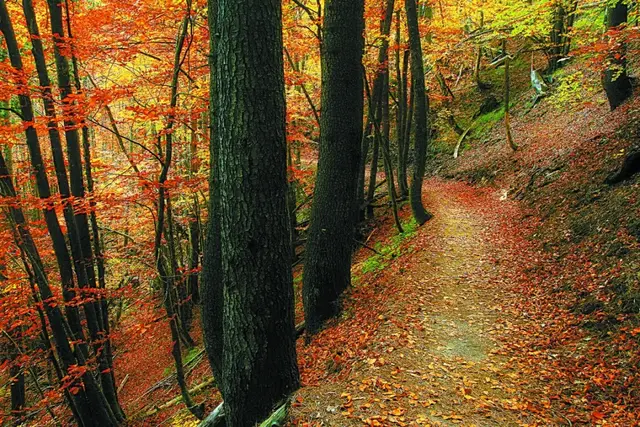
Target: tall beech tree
421,115
248,309
76,220
617,84
92,404
83,256
327,268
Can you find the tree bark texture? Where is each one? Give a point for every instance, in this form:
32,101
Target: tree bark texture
617,84
421,115
249,287
327,269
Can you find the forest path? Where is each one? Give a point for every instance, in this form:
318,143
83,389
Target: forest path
435,358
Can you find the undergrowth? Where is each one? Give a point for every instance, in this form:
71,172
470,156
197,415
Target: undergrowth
387,253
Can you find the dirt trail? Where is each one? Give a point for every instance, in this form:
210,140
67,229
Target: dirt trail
434,359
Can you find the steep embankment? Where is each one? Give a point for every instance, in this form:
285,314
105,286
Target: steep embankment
517,305
470,328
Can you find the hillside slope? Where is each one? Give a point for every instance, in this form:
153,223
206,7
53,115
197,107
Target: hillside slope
517,305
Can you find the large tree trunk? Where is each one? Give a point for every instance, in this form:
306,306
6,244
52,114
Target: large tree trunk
327,269
257,367
421,115
617,84
557,35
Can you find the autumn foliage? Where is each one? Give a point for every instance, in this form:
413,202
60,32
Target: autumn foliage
517,305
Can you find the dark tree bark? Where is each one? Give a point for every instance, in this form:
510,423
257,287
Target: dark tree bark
557,36
478,60
248,307
211,291
90,400
421,115
572,8
375,158
401,111
194,256
95,315
448,96
564,13
375,113
362,194
327,269
507,102
83,256
382,138
88,404
107,358
16,377
407,120
617,84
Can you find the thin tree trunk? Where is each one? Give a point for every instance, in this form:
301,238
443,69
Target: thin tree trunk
92,407
403,157
93,310
401,111
478,63
90,394
107,378
168,273
373,171
507,101
448,95
59,163
16,378
291,203
378,88
194,259
383,141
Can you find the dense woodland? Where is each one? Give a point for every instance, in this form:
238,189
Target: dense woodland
319,213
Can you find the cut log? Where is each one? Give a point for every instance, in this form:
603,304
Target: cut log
177,399
279,417
215,418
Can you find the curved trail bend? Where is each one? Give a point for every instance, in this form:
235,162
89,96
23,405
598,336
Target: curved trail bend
439,355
